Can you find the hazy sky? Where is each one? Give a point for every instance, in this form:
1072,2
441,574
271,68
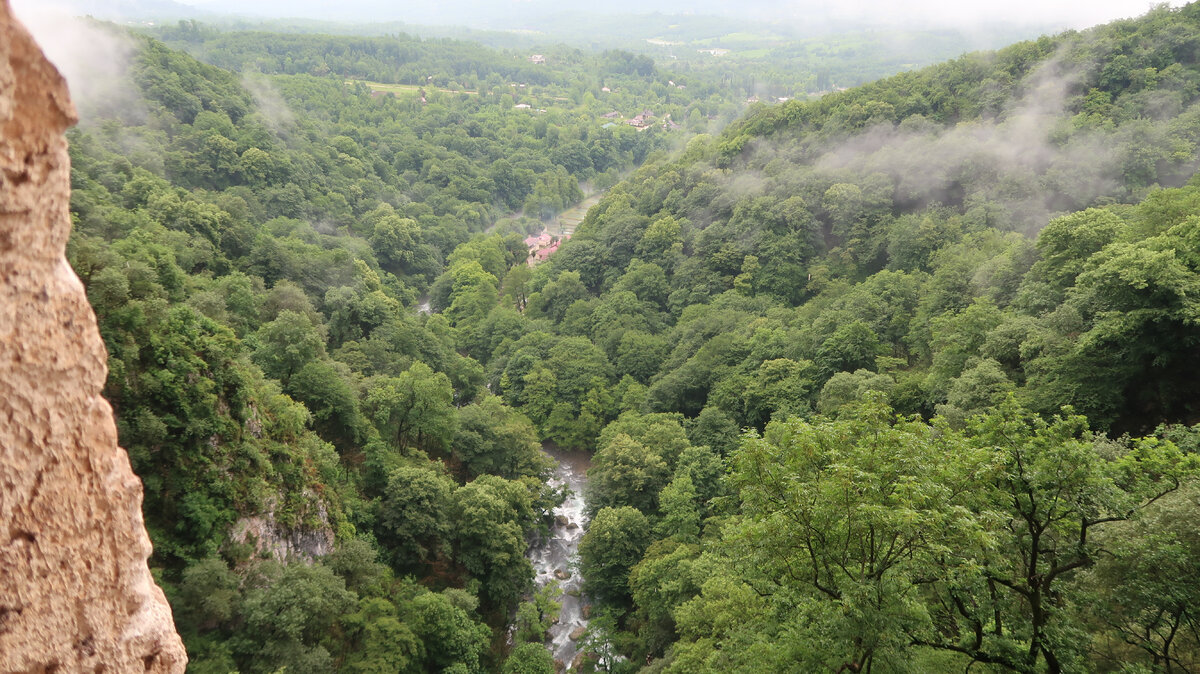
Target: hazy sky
1073,13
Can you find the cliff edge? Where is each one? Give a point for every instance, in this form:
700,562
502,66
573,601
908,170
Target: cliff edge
75,592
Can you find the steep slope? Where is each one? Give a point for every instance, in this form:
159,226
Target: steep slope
327,485
935,309
75,591
866,223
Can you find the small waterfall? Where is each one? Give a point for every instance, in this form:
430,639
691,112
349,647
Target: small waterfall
557,556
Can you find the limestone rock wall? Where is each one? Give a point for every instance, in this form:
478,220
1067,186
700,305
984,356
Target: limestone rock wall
75,592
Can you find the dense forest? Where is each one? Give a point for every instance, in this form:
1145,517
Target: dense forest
749,57
255,242
900,378
955,314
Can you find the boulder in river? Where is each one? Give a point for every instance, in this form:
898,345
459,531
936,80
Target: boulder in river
562,574
561,520
577,633
587,611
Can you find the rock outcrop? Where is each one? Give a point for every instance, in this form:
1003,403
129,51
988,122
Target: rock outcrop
268,537
75,592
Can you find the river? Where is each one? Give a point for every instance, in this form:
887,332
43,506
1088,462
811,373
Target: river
558,555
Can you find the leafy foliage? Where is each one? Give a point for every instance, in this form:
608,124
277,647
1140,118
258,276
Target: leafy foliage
899,377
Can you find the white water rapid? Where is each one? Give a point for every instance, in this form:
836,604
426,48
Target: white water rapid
557,556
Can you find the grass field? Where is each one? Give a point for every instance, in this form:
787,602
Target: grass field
569,220
404,88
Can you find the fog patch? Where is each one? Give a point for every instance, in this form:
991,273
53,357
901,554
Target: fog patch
1023,159
966,15
93,57
269,103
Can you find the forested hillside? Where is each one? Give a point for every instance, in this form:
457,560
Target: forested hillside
901,378
584,84
255,248
901,220
957,312
742,56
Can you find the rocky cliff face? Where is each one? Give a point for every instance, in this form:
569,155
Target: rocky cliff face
75,592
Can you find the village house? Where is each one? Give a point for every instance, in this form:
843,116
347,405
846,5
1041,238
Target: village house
542,246
611,115
537,242
642,120
537,58
545,253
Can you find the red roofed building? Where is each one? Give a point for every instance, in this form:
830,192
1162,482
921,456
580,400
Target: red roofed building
541,247
545,253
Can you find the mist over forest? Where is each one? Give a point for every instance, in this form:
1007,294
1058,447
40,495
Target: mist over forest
803,16
673,337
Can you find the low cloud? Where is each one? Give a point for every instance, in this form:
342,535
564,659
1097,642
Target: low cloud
92,56
269,103
1021,159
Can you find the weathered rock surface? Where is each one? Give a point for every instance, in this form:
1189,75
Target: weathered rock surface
75,592
268,537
